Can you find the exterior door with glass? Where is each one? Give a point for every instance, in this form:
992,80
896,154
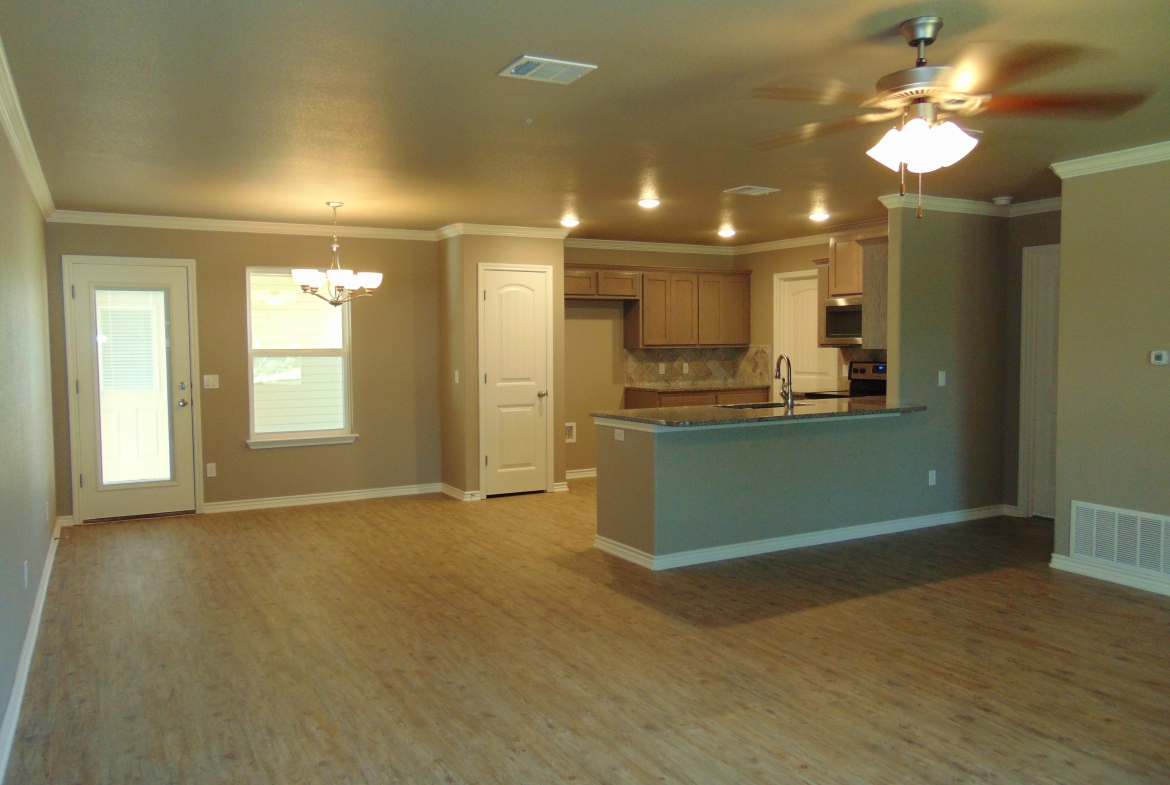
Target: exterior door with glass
132,422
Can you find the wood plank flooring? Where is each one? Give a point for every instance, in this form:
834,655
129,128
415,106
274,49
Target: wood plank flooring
424,640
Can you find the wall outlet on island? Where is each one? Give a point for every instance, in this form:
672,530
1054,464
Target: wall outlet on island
942,378
932,477
619,435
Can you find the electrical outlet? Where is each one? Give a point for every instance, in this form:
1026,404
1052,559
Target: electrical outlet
932,477
211,470
570,432
686,367
619,435
661,368
210,381
26,573
457,377
942,378
844,371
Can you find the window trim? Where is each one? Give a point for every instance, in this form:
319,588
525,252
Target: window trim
343,435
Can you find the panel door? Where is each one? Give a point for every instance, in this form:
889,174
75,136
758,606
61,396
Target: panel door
813,368
683,310
655,308
515,405
711,310
131,369
735,310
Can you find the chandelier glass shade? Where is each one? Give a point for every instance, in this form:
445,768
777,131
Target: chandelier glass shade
336,285
923,147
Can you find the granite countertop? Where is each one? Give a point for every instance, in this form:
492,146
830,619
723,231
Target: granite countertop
698,384
700,416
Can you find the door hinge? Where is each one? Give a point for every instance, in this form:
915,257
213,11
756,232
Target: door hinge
81,480
485,295
73,291
485,460
485,378
77,386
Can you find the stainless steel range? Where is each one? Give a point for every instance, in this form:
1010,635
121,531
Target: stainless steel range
865,380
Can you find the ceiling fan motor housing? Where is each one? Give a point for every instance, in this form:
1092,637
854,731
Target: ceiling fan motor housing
921,29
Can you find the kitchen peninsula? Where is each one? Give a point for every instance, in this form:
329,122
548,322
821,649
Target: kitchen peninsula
692,484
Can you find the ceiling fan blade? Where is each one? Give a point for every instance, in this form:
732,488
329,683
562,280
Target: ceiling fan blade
991,67
1093,105
810,131
831,94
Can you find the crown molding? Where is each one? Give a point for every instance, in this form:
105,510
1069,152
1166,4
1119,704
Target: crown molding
635,245
224,225
16,129
1107,162
942,204
1052,205
792,242
489,230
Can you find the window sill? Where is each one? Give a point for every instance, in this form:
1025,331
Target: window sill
300,441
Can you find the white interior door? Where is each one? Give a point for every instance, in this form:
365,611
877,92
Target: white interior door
132,421
797,301
1041,314
515,367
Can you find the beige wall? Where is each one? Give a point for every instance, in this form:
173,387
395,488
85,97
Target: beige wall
395,364
26,417
764,266
1112,432
595,371
460,258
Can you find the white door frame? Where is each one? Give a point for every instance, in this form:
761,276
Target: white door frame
67,264
1024,479
481,329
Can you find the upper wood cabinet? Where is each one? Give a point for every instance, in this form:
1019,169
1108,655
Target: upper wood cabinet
724,310
580,283
682,310
615,283
845,267
653,316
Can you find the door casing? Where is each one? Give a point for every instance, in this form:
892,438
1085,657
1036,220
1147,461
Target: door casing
550,428
67,265
1025,488
778,281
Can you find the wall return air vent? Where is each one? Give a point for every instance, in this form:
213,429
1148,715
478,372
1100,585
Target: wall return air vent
1136,542
546,69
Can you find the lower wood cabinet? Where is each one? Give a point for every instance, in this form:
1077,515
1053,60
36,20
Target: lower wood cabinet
643,398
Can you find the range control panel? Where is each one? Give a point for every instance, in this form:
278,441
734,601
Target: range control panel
875,371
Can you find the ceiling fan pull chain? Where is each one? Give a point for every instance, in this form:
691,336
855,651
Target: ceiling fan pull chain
902,171
920,194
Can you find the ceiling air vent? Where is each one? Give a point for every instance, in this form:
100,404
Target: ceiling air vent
546,69
752,190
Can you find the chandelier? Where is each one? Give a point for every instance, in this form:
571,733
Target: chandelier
335,285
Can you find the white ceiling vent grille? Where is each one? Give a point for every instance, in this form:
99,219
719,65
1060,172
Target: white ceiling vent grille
546,69
1135,540
752,190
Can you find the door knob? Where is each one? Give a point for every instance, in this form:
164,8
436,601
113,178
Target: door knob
182,402
541,393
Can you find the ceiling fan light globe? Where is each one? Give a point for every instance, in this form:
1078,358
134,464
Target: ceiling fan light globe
369,281
951,143
888,152
920,148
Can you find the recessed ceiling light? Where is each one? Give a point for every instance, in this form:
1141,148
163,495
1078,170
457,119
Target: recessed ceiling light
569,221
727,231
649,204
819,216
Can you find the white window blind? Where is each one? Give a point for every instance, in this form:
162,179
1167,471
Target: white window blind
298,350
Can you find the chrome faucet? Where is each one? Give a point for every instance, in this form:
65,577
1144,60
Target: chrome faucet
786,393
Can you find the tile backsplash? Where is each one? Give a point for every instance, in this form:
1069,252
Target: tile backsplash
750,365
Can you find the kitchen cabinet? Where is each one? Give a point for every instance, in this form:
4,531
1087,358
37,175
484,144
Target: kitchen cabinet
874,312
845,267
618,283
580,283
724,310
682,310
645,398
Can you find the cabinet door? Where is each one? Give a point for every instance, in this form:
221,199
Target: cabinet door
844,268
682,313
735,310
688,399
655,308
580,283
744,396
711,310
641,399
617,284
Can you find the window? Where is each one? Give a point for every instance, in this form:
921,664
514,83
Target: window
298,353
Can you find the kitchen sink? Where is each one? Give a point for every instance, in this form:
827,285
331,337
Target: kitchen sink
761,405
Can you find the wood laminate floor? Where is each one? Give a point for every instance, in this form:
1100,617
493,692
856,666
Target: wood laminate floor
425,640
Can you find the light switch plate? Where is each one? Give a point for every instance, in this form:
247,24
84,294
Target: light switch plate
570,432
211,470
932,477
210,381
1160,357
619,435
942,378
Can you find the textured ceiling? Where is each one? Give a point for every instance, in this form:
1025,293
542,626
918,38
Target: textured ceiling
264,109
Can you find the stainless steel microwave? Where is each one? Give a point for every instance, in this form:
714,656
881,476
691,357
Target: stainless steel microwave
843,321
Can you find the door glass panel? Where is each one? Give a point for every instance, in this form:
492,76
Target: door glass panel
298,394
133,386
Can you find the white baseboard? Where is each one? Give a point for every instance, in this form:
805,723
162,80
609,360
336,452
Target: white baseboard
580,474
320,498
1012,511
756,547
561,487
64,521
463,496
615,548
1114,573
16,699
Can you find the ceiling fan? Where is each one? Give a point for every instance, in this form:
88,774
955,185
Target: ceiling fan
923,98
